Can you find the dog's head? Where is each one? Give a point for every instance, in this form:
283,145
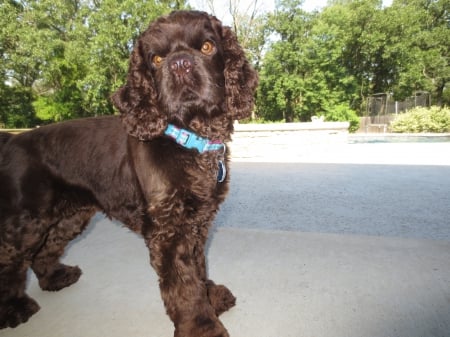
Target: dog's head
189,70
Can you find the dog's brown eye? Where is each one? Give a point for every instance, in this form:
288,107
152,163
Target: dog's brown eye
157,60
208,48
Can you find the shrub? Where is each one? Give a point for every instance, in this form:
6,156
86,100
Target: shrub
342,113
434,119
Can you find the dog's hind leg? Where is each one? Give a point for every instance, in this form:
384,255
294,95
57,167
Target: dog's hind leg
17,246
52,274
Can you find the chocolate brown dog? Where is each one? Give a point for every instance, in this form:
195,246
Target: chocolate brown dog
160,168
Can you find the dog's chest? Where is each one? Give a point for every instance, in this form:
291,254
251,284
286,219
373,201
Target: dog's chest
206,175
167,172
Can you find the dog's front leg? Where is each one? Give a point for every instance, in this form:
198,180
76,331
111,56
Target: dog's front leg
183,291
220,297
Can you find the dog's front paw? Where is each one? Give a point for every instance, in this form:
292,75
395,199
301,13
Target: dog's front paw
62,276
201,327
220,297
15,311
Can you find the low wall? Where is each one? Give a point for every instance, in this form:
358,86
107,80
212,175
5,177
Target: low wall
331,127
14,131
284,141
377,124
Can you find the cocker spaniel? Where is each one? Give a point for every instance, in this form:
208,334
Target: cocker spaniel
161,168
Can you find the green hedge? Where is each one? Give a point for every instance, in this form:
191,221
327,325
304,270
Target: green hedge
434,119
342,113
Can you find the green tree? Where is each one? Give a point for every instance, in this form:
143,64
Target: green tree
305,72
425,47
283,92
67,56
396,54
17,72
112,31
330,61
360,46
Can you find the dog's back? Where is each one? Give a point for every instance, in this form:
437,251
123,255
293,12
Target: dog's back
4,137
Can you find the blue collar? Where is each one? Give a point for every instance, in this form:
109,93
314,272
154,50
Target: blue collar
190,140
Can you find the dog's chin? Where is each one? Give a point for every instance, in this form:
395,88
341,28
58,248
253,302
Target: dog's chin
184,113
188,105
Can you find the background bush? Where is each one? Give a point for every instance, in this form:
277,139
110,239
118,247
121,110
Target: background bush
342,113
434,119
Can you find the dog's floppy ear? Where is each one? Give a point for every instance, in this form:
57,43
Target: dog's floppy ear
240,77
137,99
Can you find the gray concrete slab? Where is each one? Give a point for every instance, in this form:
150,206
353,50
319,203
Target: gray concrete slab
411,201
288,284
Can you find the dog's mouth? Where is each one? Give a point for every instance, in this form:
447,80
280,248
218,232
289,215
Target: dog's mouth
188,100
187,107
181,97
188,94
190,104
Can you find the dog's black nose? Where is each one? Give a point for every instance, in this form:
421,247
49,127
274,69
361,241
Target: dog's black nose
181,65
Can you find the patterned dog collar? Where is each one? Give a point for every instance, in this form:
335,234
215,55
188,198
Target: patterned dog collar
190,140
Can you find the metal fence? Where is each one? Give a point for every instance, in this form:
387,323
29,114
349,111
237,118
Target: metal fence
382,108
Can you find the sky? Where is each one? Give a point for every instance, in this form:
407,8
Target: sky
267,5
310,5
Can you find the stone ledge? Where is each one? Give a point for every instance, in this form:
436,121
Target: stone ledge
309,126
286,142
14,131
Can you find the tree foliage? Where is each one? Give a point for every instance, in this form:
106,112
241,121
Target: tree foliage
323,61
62,58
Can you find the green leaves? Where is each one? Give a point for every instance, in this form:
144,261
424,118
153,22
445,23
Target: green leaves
329,61
63,58
304,70
434,119
70,54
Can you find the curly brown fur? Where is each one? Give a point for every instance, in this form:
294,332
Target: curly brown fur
4,137
186,69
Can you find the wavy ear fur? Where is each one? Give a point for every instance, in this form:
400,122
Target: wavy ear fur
137,100
241,79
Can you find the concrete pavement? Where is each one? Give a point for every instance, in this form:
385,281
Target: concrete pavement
364,251
288,284
409,201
